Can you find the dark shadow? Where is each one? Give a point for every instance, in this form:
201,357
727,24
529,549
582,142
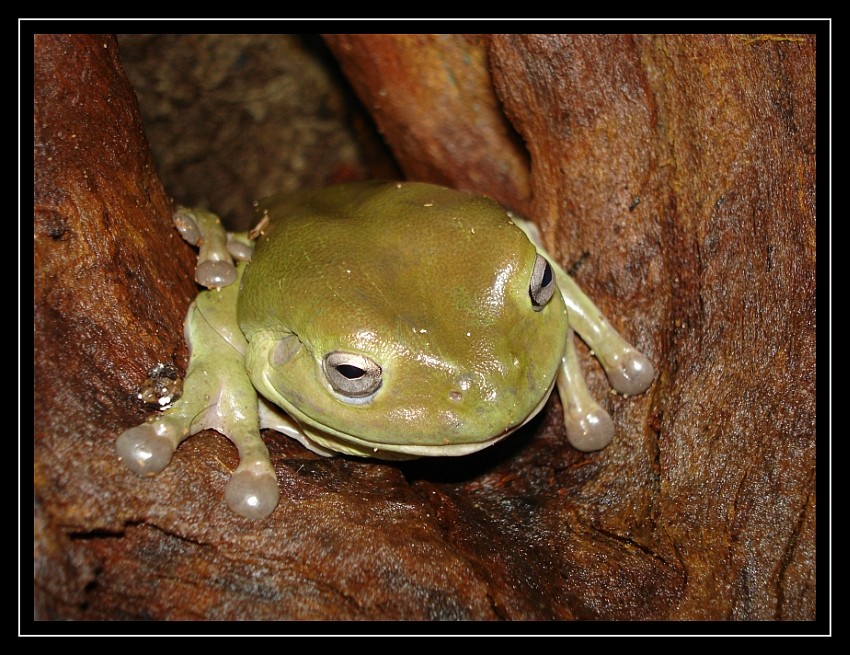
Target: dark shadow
468,467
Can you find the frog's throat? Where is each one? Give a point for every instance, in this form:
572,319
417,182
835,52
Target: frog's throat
347,444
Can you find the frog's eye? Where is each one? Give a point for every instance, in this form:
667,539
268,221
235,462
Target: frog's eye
542,285
353,376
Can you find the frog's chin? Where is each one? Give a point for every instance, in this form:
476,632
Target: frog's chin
321,440
349,445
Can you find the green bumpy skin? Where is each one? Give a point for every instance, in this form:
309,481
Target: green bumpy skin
387,320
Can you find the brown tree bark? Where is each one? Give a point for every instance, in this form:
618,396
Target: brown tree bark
673,175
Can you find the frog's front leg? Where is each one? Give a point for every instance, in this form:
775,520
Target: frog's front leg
628,370
217,394
589,427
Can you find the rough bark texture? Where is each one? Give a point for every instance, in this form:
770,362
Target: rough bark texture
433,100
674,176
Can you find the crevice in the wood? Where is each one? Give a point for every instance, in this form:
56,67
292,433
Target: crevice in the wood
654,426
99,533
632,544
790,550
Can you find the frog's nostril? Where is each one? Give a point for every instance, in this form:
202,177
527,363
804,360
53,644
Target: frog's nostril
461,386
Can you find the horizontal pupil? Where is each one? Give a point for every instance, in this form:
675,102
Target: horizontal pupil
350,372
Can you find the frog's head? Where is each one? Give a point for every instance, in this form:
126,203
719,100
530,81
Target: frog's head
405,319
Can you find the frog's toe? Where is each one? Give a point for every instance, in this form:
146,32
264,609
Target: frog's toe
589,430
239,246
215,274
144,449
632,374
252,495
186,224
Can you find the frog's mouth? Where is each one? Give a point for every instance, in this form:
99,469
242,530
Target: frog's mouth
321,440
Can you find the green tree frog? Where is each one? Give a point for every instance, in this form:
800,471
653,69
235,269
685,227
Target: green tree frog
386,320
